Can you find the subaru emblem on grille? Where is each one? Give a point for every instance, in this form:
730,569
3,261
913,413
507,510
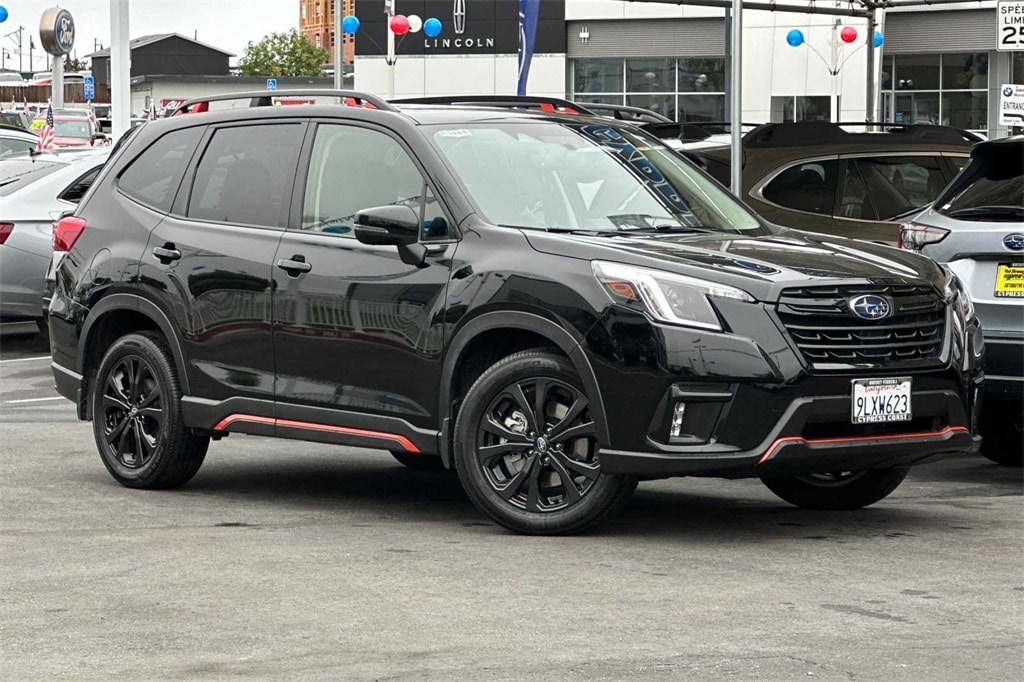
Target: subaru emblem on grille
870,307
1014,242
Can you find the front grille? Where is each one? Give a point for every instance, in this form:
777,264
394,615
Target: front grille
821,324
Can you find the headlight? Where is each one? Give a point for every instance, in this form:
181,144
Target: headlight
914,237
666,297
957,296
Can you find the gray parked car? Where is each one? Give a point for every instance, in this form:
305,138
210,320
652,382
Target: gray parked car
34,190
976,228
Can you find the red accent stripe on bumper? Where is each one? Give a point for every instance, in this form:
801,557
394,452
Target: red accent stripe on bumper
401,440
857,439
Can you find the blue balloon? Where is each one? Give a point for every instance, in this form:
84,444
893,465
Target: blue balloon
3,14
432,28
349,24
878,39
795,38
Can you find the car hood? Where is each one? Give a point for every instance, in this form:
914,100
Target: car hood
761,265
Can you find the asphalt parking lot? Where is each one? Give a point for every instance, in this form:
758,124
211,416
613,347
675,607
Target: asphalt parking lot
288,560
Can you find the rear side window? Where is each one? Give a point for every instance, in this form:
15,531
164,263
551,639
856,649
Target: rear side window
153,177
809,187
77,189
901,183
245,174
994,191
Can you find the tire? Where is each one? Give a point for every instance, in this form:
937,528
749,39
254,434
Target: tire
549,483
136,416
418,461
1002,441
839,491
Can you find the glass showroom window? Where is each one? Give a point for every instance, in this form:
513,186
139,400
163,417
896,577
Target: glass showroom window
943,89
788,109
685,89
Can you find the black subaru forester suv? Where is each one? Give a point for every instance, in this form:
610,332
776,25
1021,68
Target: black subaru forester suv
555,306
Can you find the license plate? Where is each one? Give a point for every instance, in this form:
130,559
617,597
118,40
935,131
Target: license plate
1009,280
880,400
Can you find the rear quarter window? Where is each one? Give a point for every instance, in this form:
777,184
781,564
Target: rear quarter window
153,176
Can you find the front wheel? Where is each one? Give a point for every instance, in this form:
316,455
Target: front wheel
526,448
837,491
136,416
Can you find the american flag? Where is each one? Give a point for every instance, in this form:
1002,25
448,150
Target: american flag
45,143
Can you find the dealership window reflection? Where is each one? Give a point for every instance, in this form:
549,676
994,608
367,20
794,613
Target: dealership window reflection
684,89
939,89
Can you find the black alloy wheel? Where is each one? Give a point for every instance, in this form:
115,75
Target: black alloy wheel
526,448
137,421
839,490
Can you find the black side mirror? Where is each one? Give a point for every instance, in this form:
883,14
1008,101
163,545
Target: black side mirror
387,226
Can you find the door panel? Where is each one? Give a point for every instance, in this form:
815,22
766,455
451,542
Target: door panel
355,328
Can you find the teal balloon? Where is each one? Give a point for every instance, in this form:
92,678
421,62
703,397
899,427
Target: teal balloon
3,14
349,24
878,39
432,28
795,38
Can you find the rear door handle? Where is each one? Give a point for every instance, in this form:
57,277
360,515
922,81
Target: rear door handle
166,255
294,266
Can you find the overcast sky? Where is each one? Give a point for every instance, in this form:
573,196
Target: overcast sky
225,24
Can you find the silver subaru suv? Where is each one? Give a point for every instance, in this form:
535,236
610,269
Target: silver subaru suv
976,229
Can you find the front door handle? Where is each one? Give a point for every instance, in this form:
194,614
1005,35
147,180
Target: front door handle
294,266
166,254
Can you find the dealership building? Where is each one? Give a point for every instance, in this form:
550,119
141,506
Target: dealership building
937,64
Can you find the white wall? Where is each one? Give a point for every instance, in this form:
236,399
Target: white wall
470,75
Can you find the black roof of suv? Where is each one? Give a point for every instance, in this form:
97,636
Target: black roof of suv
553,305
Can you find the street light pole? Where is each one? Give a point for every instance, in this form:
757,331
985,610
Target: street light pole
736,105
339,6
389,7
120,69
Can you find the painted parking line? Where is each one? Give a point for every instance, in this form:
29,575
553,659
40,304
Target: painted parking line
33,400
41,357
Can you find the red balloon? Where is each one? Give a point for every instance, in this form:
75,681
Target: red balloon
848,34
399,24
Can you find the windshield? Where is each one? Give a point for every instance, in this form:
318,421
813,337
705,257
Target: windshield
585,176
75,128
994,190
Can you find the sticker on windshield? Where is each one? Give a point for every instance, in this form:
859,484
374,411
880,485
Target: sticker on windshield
460,132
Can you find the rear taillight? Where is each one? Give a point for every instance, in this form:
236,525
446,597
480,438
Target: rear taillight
66,232
915,237
5,231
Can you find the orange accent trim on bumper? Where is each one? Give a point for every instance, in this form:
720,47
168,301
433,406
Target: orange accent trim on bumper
232,418
855,439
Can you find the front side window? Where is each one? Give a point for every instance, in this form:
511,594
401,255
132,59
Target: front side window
809,187
153,177
245,174
589,176
355,168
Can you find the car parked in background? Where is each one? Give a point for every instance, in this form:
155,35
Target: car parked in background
72,128
14,140
819,177
16,118
976,228
35,189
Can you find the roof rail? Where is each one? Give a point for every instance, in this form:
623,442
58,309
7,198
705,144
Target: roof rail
552,105
265,98
804,133
692,130
625,112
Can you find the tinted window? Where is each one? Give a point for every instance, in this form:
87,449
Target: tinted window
898,184
855,202
994,188
245,174
154,175
807,187
9,146
355,168
76,190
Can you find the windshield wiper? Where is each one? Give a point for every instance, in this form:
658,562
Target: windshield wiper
643,223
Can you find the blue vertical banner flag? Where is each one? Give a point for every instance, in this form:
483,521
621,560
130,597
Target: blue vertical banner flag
528,11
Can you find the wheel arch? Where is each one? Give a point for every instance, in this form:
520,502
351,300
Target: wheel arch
517,330
119,314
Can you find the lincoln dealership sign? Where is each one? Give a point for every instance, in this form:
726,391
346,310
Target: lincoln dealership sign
468,27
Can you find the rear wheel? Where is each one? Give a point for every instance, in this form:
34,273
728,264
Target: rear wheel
418,461
841,490
526,448
136,416
1002,431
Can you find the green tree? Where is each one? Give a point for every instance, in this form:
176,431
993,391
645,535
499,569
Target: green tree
283,54
74,64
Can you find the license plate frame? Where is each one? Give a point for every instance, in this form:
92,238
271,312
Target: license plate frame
1003,270
884,400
